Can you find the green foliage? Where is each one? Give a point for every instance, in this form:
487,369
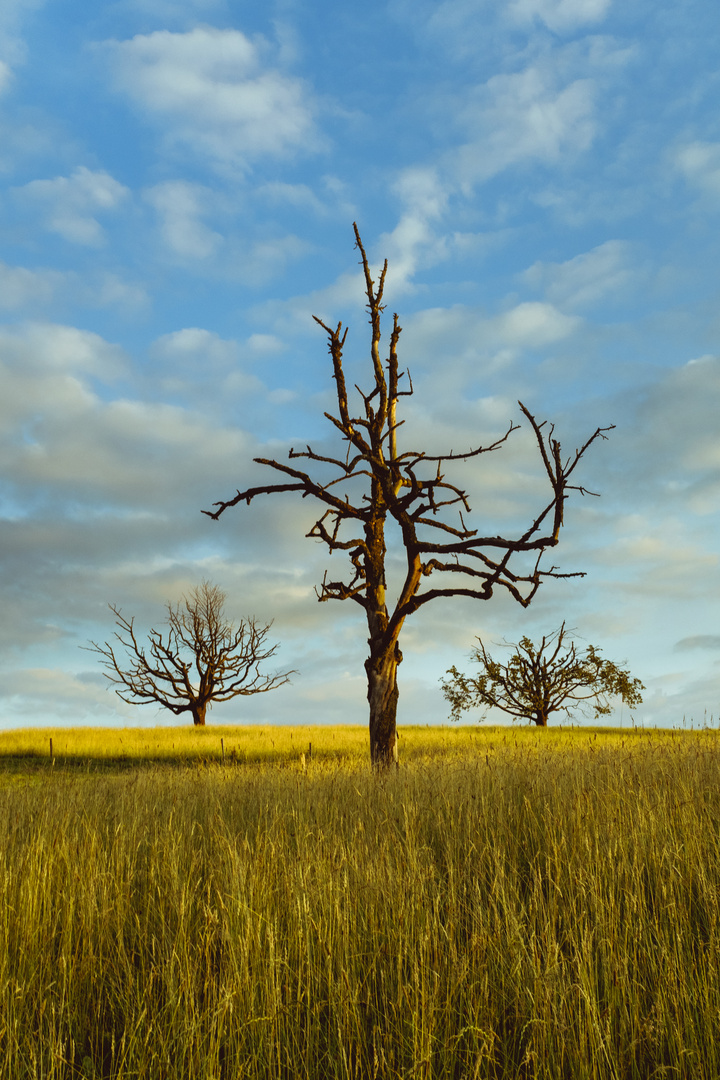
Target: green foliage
540,680
545,910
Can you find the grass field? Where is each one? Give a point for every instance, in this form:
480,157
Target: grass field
510,903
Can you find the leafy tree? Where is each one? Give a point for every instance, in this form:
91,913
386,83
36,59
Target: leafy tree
409,487
540,680
201,658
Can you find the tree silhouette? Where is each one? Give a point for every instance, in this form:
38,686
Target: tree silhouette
539,680
409,487
200,659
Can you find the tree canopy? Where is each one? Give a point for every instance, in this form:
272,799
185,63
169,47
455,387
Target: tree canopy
539,680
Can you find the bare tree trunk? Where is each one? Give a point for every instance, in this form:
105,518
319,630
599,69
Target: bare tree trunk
383,698
198,714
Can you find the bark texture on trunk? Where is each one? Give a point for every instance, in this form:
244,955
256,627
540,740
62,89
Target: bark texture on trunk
198,715
383,698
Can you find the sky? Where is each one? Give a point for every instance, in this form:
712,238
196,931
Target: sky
178,184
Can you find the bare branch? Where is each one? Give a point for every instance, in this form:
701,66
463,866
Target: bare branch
408,486
226,660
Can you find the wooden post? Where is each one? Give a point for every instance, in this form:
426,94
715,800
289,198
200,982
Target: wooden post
51,749
222,747
309,751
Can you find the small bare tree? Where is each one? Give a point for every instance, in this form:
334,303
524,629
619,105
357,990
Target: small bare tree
199,660
539,680
410,487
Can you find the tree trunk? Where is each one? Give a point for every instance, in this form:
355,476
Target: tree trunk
198,713
383,698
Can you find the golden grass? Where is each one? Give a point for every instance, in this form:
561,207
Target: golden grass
276,744
509,904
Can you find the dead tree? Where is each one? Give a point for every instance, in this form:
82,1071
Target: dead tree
409,486
539,680
200,660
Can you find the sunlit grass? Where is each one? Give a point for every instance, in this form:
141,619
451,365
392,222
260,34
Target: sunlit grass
275,744
508,904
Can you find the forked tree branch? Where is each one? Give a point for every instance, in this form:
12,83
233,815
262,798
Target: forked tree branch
199,659
397,487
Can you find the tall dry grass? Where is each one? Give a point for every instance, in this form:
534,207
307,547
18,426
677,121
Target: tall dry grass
547,907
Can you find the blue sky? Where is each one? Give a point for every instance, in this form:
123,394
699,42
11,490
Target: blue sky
178,182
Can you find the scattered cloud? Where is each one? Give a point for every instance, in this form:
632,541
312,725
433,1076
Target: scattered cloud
201,359
521,117
604,273
302,197
181,206
464,27
414,240
67,204
699,163
477,342
560,16
676,434
20,287
5,76
30,690
215,96
699,641
13,14
39,290
188,345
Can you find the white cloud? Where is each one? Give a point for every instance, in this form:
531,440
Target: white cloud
35,689
65,438
259,262
265,344
193,342
202,359
20,287
214,96
181,206
5,76
560,16
41,289
39,349
479,29
533,325
299,196
414,241
110,290
470,337
699,162
67,204
586,279
524,117
691,394
12,14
